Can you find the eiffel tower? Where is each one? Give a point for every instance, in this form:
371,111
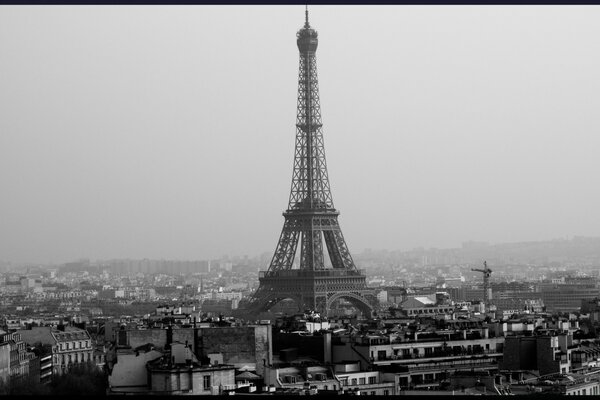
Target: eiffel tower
311,217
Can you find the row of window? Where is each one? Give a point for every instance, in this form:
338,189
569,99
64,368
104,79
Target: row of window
72,358
430,311
67,346
360,381
583,392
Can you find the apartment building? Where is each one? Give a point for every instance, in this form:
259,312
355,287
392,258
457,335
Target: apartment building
421,359
69,347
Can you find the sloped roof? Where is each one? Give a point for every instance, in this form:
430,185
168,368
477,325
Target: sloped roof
416,302
247,375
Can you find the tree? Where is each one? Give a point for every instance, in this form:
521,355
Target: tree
80,378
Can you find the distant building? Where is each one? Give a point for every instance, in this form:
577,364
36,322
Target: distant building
591,307
567,297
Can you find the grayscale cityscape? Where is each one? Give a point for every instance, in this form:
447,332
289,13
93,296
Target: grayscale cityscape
146,246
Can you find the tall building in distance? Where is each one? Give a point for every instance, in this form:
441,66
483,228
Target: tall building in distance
311,218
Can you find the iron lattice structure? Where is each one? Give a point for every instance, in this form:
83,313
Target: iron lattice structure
311,218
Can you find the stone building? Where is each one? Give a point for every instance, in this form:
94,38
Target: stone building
180,372
4,361
69,347
352,380
245,347
19,356
175,370
421,359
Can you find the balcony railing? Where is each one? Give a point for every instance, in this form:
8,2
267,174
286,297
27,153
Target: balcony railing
439,354
456,364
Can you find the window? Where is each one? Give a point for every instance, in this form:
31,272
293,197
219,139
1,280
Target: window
354,381
386,392
206,380
372,380
373,393
428,351
361,381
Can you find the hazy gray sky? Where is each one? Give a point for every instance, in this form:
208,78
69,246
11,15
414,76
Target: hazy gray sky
168,131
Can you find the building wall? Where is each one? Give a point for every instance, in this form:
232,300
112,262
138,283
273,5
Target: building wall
136,338
191,381
591,388
565,297
130,369
545,359
309,346
4,361
520,352
240,346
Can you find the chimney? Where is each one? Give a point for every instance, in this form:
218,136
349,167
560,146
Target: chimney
169,335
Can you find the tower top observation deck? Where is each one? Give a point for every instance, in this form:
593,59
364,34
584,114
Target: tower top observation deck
307,38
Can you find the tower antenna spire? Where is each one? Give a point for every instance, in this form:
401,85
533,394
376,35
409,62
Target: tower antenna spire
306,24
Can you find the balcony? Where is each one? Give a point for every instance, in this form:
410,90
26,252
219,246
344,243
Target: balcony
440,355
464,364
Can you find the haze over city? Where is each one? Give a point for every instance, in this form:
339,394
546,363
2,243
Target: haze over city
168,131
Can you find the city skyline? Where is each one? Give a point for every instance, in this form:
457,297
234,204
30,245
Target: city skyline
167,132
